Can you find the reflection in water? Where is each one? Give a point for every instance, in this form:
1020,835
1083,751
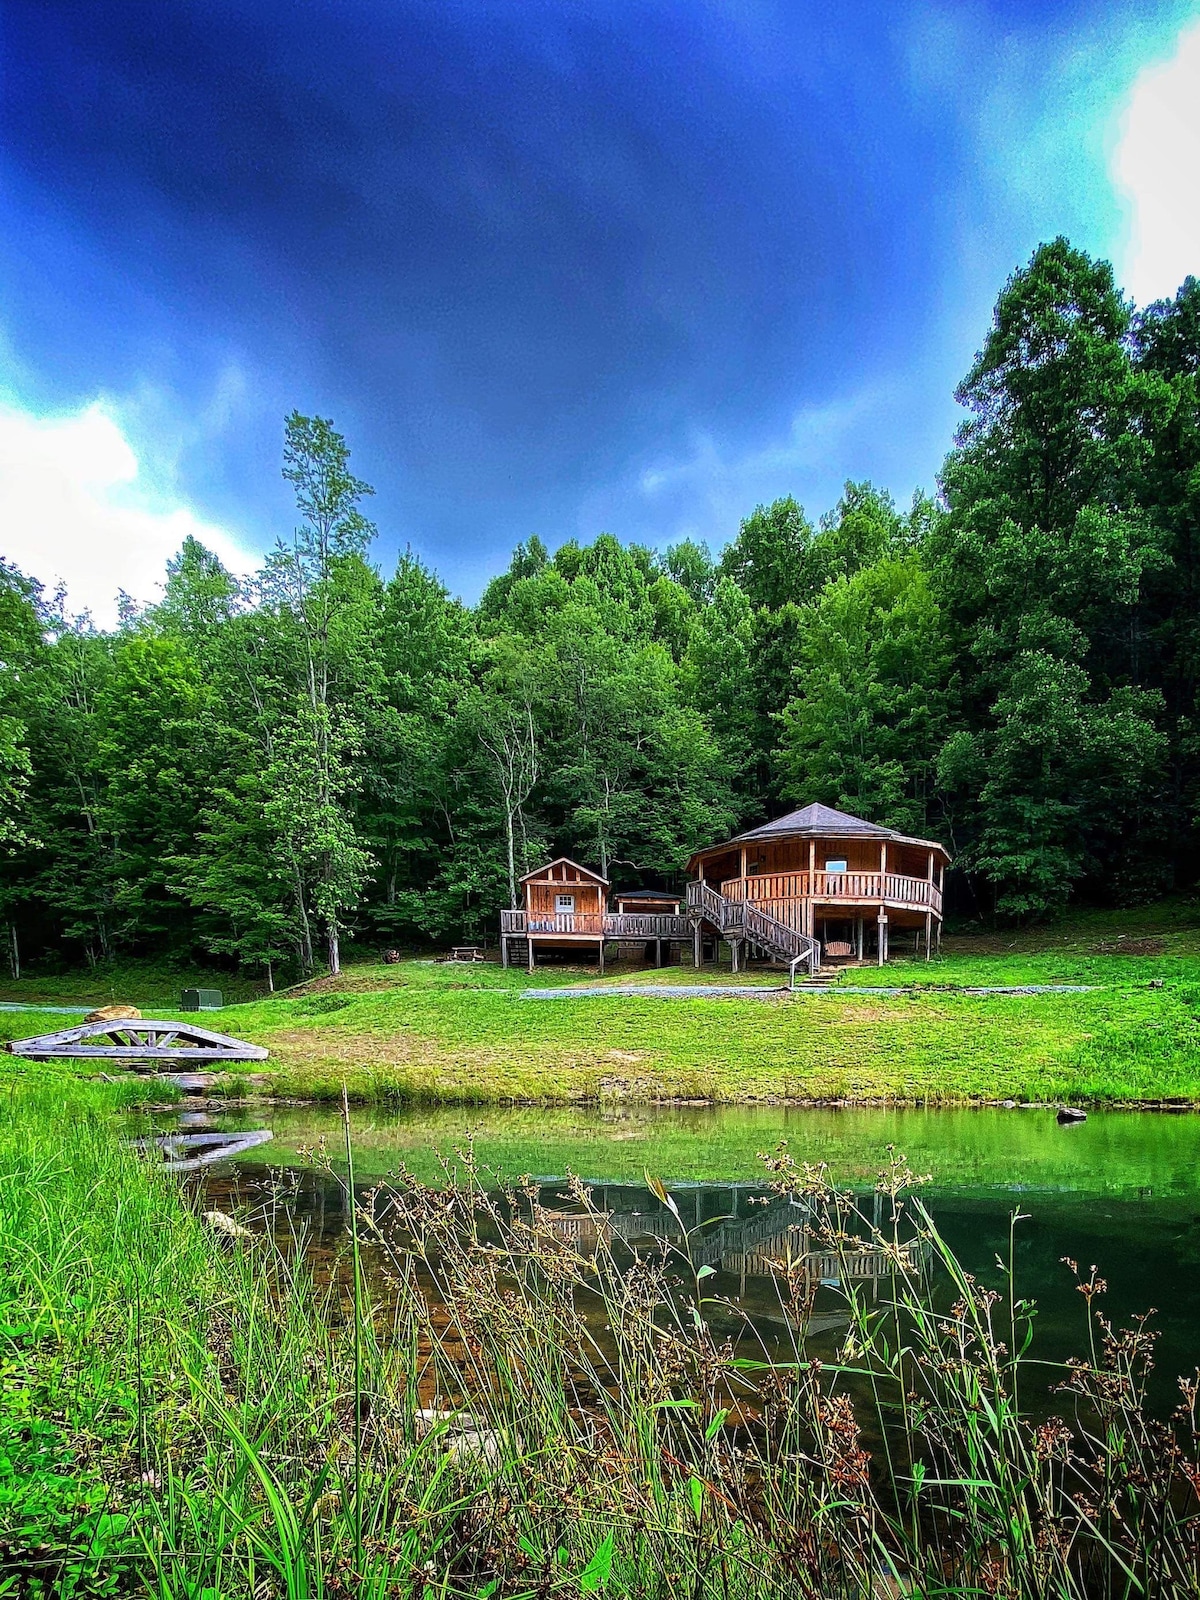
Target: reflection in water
766,1271
1122,1191
778,1237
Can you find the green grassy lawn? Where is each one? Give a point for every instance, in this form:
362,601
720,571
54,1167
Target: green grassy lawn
456,1035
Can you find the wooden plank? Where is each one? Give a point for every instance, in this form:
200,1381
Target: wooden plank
29,1050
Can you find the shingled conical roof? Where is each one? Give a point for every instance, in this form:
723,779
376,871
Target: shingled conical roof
817,820
822,822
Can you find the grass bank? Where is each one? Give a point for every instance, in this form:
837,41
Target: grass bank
425,1032
474,1407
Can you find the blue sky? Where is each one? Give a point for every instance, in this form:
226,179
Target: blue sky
554,269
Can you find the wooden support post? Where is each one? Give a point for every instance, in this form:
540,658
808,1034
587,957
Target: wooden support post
658,952
928,932
529,942
602,958
881,936
860,935
503,951
698,945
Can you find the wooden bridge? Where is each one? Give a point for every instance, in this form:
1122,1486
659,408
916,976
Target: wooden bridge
131,1042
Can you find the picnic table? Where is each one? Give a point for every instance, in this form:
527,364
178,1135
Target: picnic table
466,952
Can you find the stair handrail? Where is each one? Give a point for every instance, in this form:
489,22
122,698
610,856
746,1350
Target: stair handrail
790,945
784,942
714,907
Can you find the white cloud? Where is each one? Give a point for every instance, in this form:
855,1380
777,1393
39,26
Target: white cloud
1156,164
719,484
77,505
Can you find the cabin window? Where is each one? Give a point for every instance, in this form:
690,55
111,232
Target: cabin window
564,904
836,866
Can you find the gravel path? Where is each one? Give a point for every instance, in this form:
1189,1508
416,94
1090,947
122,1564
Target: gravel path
701,991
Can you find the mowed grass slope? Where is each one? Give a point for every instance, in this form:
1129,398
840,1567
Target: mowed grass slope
489,1044
453,1034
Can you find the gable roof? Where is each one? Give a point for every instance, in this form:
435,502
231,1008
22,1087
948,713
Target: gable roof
820,822
564,861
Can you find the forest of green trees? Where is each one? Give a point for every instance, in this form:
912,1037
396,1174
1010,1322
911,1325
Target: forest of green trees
264,770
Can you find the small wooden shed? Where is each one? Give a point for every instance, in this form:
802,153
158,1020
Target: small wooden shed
565,907
573,897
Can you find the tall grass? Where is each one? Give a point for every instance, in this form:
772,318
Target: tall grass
472,1403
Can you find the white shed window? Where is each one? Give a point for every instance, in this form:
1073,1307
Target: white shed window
564,903
836,866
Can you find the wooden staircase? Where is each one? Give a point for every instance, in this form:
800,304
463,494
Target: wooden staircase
823,978
743,924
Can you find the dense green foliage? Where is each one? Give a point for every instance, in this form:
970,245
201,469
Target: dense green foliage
259,770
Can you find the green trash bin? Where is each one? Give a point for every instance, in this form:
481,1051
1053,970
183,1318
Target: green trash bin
202,1000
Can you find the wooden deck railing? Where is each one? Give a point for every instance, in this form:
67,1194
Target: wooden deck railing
770,890
597,924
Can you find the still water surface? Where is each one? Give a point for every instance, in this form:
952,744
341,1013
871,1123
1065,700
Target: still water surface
1121,1190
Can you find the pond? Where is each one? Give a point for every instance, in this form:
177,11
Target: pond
1121,1190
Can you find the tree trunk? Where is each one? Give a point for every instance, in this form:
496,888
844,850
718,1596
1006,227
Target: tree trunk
306,949
512,858
270,977
14,951
335,950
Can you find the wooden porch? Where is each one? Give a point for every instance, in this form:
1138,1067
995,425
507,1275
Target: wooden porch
595,928
781,893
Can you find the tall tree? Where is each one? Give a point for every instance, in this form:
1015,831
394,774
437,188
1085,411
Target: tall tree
1166,344
321,593
872,704
408,805
1040,564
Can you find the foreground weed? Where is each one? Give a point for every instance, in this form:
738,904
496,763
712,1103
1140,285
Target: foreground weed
486,1394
